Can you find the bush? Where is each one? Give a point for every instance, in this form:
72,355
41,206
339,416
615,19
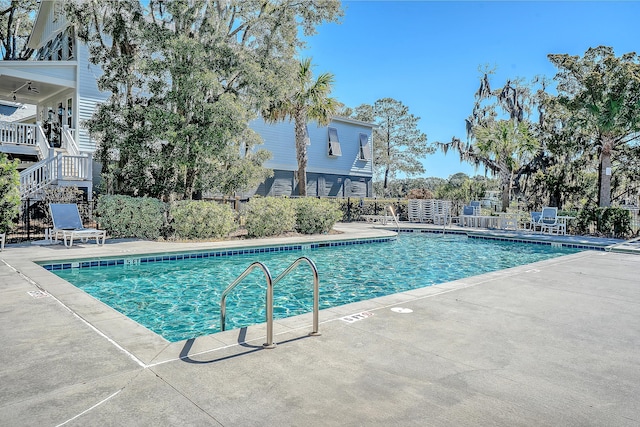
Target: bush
316,215
269,216
9,193
125,216
201,220
613,222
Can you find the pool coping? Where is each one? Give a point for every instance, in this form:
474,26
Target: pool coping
148,348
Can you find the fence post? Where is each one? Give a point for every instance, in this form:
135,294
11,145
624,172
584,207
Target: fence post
348,209
28,221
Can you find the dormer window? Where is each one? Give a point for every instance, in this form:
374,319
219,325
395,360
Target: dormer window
334,143
365,149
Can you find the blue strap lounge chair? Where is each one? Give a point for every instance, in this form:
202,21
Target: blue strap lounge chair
550,223
68,224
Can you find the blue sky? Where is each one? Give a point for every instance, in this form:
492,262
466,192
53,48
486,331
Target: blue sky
426,54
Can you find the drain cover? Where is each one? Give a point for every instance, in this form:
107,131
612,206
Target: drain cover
401,310
38,294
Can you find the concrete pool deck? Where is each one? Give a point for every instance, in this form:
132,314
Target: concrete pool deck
551,343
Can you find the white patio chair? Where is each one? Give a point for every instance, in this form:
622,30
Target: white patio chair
549,221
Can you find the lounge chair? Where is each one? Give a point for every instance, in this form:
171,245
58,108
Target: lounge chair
468,216
68,224
534,221
476,207
549,221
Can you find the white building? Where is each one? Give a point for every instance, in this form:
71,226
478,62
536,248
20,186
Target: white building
55,149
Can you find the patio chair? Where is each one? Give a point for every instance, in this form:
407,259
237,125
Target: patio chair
534,221
68,224
468,216
549,221
476,206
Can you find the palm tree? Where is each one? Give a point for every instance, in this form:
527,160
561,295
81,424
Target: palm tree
602,93
308,100
504,147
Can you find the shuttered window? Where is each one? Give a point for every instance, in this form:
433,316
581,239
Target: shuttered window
365,149
334,143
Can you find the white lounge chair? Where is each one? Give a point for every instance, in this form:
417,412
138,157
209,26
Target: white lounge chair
68,224
549,221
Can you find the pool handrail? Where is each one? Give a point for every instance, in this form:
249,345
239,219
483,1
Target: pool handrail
269,302
316,289
393,215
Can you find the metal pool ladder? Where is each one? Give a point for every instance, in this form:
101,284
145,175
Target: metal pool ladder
269,304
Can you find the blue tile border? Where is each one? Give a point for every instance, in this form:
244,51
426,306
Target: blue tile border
539,242
146,259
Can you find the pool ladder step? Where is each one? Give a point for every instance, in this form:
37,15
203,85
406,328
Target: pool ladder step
269,303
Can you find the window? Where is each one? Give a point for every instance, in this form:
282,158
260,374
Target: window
334,143
365,150
307,138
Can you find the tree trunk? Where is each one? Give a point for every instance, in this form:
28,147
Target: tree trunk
604,175
506,190
385,186
301,152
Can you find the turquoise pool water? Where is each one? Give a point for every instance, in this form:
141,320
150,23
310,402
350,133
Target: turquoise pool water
180,299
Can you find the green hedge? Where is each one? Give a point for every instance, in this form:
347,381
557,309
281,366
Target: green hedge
201,220
9,193
269,216
314,216
611,222
126,216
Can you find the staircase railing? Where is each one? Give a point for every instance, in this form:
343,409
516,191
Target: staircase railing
38,176
54,169
43,143
68,142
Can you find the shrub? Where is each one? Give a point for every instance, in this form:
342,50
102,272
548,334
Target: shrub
9,193
316,215
269,216
201,220
125,216
614,222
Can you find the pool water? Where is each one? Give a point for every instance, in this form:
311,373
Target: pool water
181,299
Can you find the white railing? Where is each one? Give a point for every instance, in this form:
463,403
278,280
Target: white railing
73,168
36,177
43,143
18,133
68,141
54,169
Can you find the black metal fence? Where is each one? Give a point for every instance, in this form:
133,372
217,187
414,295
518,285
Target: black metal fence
34,219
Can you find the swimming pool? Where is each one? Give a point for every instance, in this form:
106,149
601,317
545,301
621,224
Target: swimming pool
179,298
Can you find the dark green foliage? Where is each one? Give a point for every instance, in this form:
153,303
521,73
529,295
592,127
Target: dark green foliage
606,221
9,193
185,80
